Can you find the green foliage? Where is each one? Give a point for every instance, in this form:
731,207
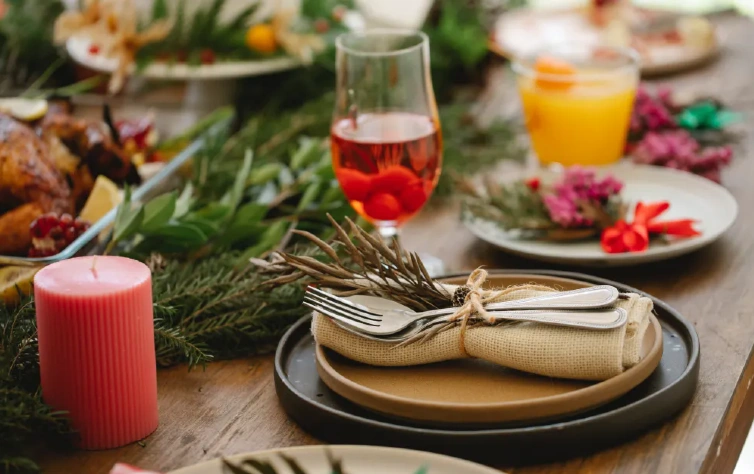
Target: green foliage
26,48
24,418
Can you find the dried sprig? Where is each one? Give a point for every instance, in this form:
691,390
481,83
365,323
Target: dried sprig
366,264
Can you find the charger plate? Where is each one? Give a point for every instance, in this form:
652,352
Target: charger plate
332,418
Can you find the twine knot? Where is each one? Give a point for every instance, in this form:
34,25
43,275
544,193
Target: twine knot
474,299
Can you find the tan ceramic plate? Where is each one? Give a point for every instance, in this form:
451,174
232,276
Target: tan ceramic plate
475,392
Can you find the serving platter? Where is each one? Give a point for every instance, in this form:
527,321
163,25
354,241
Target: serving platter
689,195
356,459
79,46
332,418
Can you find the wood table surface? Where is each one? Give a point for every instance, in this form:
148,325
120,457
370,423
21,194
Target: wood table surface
231,407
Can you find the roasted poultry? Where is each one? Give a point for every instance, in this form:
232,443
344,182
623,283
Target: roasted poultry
51,170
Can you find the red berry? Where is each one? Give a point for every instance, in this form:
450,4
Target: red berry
66,220
60,244
413,198
383,207
321,25
393,180
356,185
94,49
207,56
533,183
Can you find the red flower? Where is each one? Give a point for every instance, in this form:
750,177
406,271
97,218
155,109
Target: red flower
634,237
533,183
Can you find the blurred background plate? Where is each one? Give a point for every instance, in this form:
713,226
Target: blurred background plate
356,460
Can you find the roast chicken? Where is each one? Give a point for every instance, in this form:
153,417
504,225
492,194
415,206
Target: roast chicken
51,169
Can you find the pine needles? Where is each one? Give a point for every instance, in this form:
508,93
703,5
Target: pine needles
24,417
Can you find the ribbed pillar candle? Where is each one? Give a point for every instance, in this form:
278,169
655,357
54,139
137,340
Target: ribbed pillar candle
96,347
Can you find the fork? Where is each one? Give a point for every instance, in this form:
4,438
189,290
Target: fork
384,321
348,313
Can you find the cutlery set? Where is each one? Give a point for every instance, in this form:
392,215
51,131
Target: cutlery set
385,320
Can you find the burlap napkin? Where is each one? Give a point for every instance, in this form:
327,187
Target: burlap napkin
530,347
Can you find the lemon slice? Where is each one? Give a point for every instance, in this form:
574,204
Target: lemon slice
104,197
24,109
12,277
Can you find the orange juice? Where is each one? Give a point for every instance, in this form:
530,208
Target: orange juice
577,115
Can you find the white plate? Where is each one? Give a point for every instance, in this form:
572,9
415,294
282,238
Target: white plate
78,48
525,31
690,196
356,460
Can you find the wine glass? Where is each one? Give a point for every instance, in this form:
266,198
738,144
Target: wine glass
385,137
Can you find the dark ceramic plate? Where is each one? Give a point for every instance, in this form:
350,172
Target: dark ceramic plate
332,418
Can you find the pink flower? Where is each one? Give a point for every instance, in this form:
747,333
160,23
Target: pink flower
679,150
578,185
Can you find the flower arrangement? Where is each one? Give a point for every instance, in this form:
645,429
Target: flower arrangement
578,205
691,136
203,38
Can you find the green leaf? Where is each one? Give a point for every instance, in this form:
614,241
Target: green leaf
270,239
233,197
183,204
285,177
242,18
245,225
208,227
159,10
264,173
214,212
174,237
310,193
127,219
307,153
158,211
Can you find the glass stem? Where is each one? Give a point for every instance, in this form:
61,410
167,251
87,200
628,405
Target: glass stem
388,233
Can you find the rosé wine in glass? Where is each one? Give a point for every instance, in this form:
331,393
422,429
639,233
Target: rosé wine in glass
387,164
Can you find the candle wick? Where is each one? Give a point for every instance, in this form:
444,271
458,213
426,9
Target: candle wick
94,266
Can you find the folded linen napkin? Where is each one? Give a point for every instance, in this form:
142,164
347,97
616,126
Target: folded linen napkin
552,351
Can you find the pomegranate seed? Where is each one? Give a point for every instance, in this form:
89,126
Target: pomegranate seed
66,220
33,253
80,224
70,234
60,244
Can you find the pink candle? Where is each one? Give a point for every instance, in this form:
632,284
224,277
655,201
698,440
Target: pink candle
96,347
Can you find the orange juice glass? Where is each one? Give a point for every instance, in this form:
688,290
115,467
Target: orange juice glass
577,102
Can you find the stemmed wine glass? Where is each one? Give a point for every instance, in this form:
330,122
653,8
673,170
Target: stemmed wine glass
385,137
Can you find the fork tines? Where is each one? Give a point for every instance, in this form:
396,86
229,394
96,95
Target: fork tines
338,308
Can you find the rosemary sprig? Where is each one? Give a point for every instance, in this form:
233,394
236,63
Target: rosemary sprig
370,265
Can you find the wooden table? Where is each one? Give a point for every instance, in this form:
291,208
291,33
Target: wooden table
232,407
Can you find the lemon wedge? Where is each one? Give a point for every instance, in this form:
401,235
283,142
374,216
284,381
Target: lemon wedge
104,197
12,277
24,109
